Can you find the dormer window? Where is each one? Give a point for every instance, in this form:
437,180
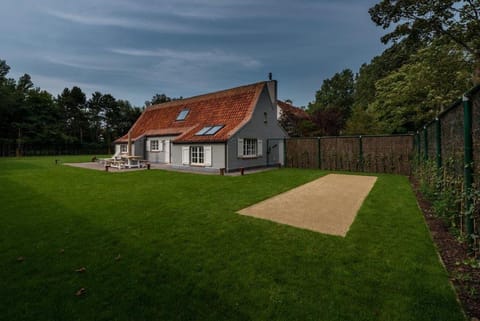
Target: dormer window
209,130
183,114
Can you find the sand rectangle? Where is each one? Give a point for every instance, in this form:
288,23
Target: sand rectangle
327,205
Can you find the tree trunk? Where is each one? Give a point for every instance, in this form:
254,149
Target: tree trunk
18,151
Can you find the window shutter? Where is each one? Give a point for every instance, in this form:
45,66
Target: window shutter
207,150
185,155
167,151
149,142
240,147
160,145
259,147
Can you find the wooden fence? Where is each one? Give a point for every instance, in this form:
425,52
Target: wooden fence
374,154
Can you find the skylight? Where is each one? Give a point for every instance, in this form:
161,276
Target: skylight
203,131
183,114
214,129
209,130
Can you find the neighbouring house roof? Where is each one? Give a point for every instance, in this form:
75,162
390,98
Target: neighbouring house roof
292,110
231,108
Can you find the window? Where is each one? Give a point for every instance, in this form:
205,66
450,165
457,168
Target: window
123,148
214,130
183,114
203,131
265,117
249,147
197,155
209,130
154,147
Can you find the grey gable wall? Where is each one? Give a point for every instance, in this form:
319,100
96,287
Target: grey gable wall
256,128
218,155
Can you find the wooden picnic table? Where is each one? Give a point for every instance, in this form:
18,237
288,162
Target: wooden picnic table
131,161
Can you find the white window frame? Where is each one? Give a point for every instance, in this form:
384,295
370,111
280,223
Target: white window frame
197,155
154,145
250,148
123,148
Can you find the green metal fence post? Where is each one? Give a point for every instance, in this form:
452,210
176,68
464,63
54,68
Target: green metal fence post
425,137
319,154
438,142
468,171
419,146
360,151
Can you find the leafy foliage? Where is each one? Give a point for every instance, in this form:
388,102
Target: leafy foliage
31,116
333,103
459,21
444,187
412,95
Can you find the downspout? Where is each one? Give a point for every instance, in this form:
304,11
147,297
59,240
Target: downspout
226,156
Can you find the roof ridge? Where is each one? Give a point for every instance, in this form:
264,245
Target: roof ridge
175,103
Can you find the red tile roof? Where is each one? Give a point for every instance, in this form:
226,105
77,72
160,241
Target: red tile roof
295,111
231,108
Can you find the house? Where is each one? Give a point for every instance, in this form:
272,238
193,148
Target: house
230,129
291,118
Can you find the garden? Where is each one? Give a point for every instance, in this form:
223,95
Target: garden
78,244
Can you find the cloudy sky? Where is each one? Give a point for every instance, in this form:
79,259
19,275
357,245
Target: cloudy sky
136,48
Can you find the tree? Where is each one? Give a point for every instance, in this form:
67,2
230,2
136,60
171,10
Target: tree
363,121
333,101
419,90
458,21
10,103
328,121
160,99
73,104
295,125
379,67
4,69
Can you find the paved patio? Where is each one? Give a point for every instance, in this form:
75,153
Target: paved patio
154,166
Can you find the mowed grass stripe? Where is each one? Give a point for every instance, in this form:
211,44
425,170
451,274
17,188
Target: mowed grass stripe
168,246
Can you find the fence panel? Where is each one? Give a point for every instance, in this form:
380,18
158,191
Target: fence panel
452,140
431,146
340,153
476,137
302,153
388,154
376,154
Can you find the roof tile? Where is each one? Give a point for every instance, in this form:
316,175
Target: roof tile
231,108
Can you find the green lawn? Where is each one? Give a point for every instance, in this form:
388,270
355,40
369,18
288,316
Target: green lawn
161,245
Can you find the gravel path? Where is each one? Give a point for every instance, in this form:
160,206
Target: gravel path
327,205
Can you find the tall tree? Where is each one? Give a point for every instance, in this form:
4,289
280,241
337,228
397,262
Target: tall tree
4,69
459,21
73,104
159,99
419,90
333,102
363,121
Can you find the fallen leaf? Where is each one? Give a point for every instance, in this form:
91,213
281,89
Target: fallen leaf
20,259
81,292
81,270
62,251
118,257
